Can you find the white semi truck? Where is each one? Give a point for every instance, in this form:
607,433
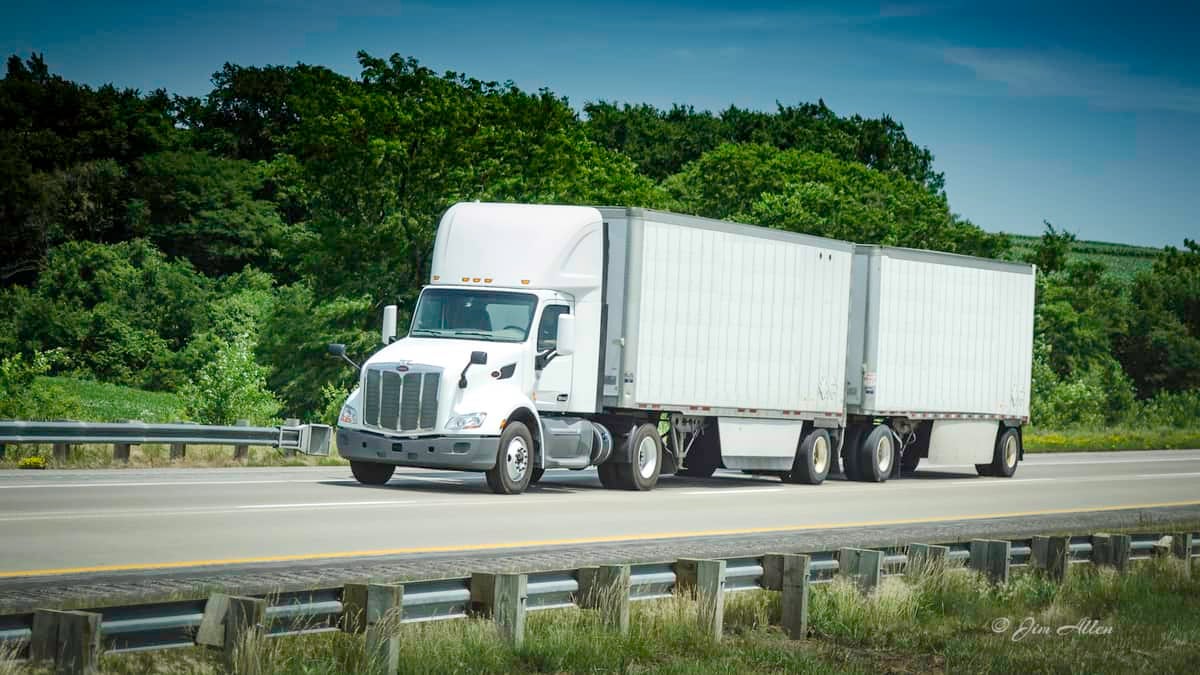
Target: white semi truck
646,343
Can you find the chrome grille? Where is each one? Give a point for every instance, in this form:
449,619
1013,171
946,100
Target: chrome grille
401,401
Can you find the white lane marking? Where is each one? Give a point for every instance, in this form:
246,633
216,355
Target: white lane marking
1035,462
718,492
311,505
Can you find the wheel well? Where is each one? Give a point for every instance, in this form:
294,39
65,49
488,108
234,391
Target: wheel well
525,416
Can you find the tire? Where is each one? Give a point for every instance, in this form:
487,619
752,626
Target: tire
850,450
608,476
876,454
1005,455
705,456
909,461
813,459
514,461
372,473
536,476
641,473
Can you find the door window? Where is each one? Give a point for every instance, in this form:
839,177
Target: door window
548,328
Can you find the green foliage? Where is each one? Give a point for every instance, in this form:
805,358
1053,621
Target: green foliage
22,398
662,142
104,402
818,194
1050,254
206,209
232,386
1162,347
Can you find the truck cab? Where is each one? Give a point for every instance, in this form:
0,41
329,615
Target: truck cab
493,364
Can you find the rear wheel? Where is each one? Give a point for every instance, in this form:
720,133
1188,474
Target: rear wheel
876,454
514,461
812,462
372,473
1005,455
645,460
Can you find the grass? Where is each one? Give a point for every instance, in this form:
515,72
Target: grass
1038,440
1123,261
945,621
102,402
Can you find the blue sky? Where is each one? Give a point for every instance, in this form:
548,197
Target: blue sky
1083,113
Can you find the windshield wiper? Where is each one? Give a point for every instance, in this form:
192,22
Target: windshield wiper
468,331
425,331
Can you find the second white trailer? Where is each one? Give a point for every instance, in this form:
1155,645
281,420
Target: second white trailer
940,353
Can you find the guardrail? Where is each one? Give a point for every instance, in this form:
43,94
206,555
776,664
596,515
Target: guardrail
218,620
311,439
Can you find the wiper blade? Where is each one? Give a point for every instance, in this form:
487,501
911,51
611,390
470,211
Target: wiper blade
473,332
425,331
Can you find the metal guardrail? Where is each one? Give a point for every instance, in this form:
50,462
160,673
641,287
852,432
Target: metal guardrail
167,625
313,439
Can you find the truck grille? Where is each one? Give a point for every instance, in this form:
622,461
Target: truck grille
401,401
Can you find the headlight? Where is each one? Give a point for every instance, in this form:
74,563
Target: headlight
349,415
468,421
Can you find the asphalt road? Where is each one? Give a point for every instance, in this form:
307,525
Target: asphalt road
87,522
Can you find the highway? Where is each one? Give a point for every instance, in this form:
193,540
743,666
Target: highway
84,521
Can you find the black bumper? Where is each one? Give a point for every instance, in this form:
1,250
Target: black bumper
473,453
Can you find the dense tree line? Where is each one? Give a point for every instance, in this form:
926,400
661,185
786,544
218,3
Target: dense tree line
145,235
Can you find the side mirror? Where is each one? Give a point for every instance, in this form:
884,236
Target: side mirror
388,332
339,350
477,359
565,340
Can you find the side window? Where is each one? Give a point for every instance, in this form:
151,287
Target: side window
548,328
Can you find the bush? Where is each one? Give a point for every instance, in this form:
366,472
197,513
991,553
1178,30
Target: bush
21,399
232,386
1180,410
32,462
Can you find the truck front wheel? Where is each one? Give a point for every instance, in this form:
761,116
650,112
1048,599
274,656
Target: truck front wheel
372,473
514,461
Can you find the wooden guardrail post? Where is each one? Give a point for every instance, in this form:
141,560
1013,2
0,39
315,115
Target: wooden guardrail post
68,639
926,559
62,451
863,566
375,609
241,451
1111,550
1181,547
244,619
706,578
991,557
1052,555
794,600
503,597
606,589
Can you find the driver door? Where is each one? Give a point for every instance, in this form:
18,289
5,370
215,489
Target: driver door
552,383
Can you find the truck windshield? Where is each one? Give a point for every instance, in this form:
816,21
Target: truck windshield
468,314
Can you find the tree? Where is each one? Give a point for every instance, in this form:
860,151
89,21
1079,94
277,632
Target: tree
1050,254
231,387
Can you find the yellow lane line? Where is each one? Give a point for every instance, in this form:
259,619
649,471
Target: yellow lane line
568,542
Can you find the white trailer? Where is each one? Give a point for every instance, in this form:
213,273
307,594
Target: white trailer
636,341
941,349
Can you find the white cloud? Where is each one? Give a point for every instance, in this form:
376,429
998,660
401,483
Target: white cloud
1063,74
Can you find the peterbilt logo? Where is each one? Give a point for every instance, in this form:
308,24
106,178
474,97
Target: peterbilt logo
402,367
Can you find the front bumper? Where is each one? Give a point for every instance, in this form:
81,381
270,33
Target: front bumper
472,453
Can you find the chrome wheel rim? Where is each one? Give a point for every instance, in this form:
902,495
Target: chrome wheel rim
516,459
883,455
647,457
1010,450
820,454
